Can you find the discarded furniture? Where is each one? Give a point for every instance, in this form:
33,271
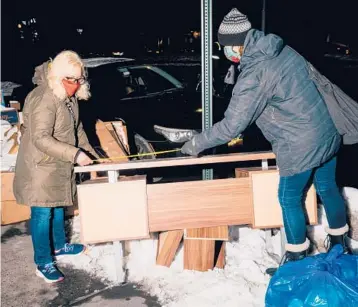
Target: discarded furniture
11,211
197,211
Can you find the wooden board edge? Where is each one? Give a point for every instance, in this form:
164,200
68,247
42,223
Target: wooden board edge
114,239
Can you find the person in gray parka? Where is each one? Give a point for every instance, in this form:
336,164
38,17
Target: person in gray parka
275,91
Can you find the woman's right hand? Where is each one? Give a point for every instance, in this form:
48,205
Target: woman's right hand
83,159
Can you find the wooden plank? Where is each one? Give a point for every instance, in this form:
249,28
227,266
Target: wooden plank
195,204
170,162
12,213
199,255
220,259
118,210
108,142
168,244
208,233
267,211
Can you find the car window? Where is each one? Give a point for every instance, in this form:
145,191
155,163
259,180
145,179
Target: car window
150,80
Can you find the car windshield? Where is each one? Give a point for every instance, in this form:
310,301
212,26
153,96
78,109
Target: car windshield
145,80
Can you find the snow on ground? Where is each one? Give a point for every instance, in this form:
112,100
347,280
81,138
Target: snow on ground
7,134
242,282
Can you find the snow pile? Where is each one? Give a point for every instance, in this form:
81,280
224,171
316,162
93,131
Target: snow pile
351,197
98,260
10,135
243,281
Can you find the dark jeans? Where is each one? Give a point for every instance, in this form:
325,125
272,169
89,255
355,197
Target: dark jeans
47,226
291,196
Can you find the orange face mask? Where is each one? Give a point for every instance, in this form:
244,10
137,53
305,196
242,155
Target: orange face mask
70,87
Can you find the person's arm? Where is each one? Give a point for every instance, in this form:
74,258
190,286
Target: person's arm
83,141
247,103
42,122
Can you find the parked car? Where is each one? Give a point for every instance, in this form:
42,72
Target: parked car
144,96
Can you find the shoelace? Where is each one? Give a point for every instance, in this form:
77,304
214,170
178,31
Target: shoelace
68,247
50,268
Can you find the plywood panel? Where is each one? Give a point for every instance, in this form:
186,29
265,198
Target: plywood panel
199,255
168,244
113,211
267,209
195,204
208,233
11,212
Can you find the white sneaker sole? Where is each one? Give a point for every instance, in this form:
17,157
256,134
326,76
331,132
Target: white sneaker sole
70,255
49,281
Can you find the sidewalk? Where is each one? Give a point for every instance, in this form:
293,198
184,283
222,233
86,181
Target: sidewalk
21,287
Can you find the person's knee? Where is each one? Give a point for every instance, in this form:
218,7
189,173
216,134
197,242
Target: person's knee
327,189
289,201
289,197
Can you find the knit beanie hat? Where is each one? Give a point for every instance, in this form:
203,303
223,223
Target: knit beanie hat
233,29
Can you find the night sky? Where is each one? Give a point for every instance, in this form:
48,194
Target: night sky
304,24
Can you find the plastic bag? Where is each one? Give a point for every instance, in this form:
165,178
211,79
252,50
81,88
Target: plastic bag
324,280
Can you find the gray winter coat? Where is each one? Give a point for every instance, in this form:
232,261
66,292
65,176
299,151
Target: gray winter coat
275,90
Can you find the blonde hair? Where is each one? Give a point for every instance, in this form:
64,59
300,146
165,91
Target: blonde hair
63,66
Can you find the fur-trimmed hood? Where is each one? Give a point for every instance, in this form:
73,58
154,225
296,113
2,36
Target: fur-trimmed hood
40,75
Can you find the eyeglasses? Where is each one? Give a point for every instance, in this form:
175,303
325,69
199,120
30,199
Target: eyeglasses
80,80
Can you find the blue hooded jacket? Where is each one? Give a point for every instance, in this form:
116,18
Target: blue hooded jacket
274,89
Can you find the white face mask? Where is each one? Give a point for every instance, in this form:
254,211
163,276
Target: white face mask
232,55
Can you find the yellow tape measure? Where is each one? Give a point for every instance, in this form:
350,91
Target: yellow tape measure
138,155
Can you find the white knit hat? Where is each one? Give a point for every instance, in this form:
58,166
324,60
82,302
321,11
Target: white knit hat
233,29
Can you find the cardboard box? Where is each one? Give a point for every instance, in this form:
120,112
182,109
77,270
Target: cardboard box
108,143
15,105
11,115
11,212
7,179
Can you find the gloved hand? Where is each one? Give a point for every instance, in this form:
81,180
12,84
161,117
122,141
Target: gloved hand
189,148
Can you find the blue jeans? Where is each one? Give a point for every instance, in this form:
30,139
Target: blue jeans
292,190
47,231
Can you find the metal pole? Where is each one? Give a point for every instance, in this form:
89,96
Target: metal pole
206,71
263,16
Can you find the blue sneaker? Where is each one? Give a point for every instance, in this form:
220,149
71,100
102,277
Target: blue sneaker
49,272
70,249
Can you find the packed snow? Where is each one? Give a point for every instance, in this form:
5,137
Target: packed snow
242,282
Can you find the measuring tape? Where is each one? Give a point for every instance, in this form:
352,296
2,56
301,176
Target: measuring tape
138,155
